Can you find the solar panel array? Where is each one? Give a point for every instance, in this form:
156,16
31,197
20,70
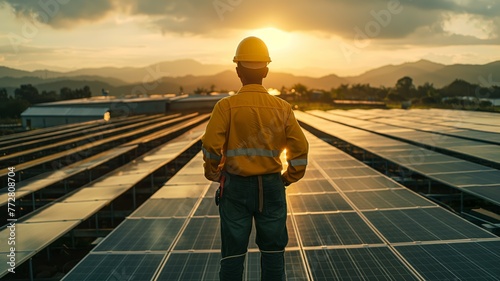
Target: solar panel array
39,229
466,176
460,141
350,225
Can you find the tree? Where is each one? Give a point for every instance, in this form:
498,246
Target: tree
405,88
300,90
28,93
12,108
49,96
86,93
3,94
394,96
341,92
200,91
66,93
459,88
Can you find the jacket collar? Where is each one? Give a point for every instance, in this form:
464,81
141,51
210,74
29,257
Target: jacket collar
252,88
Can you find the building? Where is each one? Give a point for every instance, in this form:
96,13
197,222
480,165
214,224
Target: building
48,116
80,110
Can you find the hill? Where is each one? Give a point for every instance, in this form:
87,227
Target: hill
425,71
169,77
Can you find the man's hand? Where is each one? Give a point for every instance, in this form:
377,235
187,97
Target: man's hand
285,182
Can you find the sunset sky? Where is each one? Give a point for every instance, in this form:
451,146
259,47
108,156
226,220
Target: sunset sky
344,37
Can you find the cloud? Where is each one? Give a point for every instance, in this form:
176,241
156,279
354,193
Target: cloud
385,19
60,13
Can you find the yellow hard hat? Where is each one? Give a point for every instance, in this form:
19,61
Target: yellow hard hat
252,50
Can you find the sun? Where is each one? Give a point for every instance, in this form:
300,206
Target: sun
275,39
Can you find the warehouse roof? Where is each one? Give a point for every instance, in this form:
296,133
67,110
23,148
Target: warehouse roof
65,111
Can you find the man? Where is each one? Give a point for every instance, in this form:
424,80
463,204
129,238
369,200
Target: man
242,144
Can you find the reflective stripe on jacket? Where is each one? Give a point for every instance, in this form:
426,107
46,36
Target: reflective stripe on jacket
247,133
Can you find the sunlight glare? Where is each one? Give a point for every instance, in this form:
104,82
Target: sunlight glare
274,38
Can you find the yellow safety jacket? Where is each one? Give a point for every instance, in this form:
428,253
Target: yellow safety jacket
248,131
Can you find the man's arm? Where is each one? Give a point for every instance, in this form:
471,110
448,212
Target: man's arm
297,148
213,143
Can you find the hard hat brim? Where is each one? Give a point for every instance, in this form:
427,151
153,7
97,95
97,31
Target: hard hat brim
253,64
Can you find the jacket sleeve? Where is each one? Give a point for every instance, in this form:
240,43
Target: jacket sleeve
297,148
213,142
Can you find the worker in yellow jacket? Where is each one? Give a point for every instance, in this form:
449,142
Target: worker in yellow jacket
243,141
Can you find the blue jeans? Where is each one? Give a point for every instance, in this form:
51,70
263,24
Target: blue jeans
263,199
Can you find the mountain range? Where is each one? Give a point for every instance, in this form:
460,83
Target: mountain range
188,75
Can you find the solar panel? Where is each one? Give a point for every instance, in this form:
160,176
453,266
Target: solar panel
188,179
200,234
426,224
381,199
66,212
374,263
211,190
312,174
334,229
207,207
20,256
367,183
97,193
180,191
35,236
455,261
450,167
116,180
492,192
191,266
350,172
318,203
336,163
179,207
308,186
115,267
142,235
469,178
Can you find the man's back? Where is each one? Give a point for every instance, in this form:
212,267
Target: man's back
241,147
